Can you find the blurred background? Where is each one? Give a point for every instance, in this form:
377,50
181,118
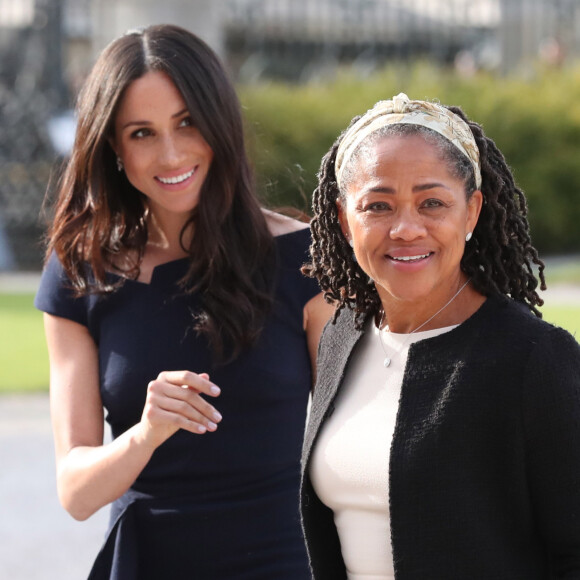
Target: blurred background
303,69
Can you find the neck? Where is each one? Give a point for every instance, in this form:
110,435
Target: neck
165,235
452,306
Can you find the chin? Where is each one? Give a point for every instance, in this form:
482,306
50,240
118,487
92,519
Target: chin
403,292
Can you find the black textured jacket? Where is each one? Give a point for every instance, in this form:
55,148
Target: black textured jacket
485,459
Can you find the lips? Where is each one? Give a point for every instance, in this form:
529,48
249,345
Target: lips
177,179
410,259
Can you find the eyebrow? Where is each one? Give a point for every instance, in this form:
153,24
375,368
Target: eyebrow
141,123
416,189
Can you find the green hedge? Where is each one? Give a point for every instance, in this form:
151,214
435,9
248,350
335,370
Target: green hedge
534,121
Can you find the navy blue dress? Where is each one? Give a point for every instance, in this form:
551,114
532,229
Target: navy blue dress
222,505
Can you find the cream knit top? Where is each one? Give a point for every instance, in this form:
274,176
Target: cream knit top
350,462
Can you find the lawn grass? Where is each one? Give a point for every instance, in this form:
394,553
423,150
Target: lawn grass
566,316
24,359
23,355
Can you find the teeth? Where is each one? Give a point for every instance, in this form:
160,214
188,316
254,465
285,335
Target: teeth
178,179
410,258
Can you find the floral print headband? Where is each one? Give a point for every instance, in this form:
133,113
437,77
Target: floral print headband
401,110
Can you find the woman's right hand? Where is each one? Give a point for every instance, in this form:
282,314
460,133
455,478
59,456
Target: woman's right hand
174,401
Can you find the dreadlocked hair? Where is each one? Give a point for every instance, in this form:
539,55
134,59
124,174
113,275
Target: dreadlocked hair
499,259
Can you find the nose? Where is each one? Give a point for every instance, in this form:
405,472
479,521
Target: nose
172,152
407,225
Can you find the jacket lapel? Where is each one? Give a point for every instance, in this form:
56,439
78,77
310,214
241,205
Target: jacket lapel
336,346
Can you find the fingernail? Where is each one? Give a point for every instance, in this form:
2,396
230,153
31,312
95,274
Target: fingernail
217,416
214,390
211,425
201,428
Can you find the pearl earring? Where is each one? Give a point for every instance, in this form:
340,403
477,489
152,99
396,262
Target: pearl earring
351,244
468,236
119,164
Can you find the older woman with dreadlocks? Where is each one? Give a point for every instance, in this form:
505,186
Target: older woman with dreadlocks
444,434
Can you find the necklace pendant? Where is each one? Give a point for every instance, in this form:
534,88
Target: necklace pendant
387,362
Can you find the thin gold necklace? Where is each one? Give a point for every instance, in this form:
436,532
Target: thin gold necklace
387,361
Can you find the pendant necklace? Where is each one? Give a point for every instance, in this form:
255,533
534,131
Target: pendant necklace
387,361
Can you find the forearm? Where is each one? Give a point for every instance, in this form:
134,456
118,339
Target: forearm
89,478
90,474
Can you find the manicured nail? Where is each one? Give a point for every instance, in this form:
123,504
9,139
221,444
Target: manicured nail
217,416
214,390
201,428
211,425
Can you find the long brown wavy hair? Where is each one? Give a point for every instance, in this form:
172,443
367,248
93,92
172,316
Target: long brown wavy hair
99,216
499,259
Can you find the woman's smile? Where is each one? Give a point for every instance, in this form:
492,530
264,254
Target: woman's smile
408,255
409,258
177,180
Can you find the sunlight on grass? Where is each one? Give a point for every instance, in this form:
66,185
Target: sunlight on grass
23,355
566,316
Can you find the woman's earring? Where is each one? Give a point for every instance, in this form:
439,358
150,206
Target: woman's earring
468,236
119,164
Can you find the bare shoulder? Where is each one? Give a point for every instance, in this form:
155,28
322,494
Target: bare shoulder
279,224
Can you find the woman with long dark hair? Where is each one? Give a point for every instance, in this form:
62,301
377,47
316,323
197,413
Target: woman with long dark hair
172,299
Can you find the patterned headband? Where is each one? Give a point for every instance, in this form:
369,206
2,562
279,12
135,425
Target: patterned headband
401,110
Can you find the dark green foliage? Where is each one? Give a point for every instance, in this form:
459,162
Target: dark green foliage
535,122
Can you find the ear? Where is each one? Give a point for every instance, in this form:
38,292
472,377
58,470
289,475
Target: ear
113,143
473,209
342,219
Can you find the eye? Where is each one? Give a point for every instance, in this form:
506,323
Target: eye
140,133
433,203
186,122
377,206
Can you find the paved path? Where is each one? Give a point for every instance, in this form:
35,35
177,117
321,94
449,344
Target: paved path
562,294
38,539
